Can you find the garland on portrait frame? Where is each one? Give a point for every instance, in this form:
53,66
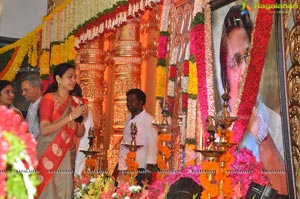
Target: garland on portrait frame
202,97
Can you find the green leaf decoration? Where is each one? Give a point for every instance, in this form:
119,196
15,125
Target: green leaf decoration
192,58
164,33
198,19
190,141
161,62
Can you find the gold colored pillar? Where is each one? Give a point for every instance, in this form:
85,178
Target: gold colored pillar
90,69
179,27
127,72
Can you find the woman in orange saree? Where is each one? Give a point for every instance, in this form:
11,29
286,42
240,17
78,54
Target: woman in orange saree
56,145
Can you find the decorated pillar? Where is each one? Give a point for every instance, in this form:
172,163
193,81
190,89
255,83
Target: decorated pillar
90,72
127,72
180,18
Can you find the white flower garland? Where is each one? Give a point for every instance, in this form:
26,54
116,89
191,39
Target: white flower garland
184,83
191,118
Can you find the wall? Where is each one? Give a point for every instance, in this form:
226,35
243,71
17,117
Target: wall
20,17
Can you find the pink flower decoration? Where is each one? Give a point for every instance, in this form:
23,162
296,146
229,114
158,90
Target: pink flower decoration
12,123
157,188
245,170
162,47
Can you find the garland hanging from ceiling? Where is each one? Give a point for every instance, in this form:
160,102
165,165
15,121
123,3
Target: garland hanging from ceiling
67,27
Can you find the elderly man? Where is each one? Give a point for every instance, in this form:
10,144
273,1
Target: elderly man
32,90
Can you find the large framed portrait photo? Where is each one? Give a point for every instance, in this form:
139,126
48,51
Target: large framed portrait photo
249,58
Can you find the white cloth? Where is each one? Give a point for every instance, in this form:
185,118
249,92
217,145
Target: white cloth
146,136
32,118
83,145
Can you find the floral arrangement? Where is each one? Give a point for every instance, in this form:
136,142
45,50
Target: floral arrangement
164,154
223,174
184,86
161,71
17,157
90,163
132,166
245,170
127,191
103,187
249,88
218,171
190,154
210,189
44,63
196,37
160,187
72,19
21,48
162,51
89,187
171,86
198,59
192,91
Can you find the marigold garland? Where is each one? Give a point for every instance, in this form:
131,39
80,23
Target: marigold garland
193,81
90,164
8,65
44,62
132,166
192,90
209,188
161,70
87,20
164,153
160,81
190,154
221,173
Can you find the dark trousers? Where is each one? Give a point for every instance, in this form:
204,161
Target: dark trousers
140,176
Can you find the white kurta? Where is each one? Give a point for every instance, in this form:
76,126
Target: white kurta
146,136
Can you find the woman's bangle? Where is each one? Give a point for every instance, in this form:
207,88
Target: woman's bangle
70,117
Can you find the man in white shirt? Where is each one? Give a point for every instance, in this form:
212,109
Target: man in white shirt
32,90
146,135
